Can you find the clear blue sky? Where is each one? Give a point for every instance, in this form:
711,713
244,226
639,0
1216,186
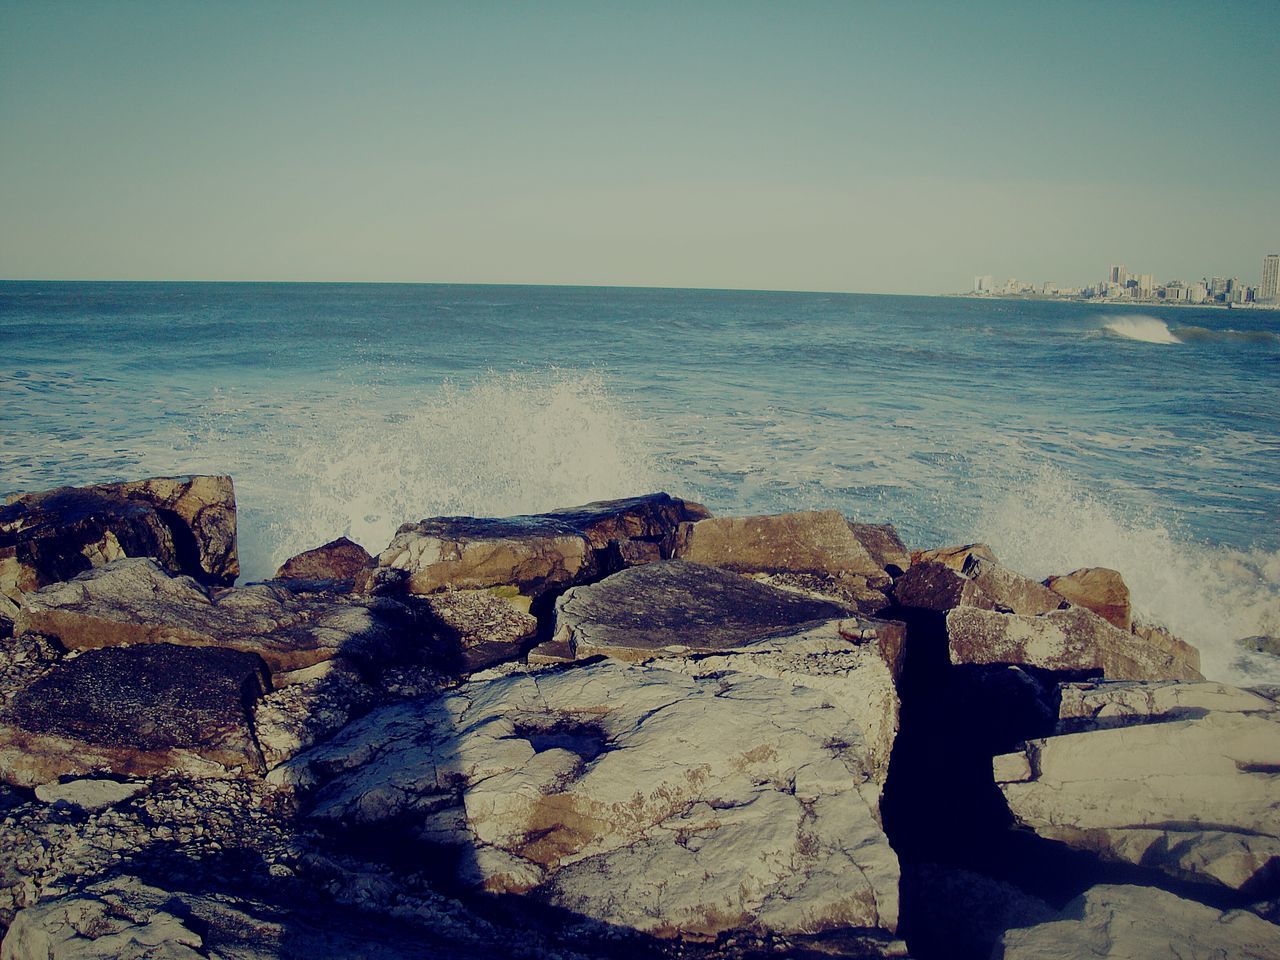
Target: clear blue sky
834,146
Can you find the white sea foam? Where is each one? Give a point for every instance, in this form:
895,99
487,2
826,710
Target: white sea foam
502,445
1210,596
1140,327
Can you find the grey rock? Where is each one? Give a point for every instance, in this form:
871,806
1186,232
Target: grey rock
135,711
89,794
481,627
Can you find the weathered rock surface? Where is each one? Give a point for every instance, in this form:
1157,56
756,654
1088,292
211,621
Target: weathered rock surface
533,553
938,588
638,796
135,711
340,559
133,601
881,540
1073,640
1124,922
954,557
848,589
1098,589
679,607
1011,592
187,524
1179,777
307,706
481,627
89,794
809,542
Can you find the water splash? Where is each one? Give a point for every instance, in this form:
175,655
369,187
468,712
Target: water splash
1210,596
1143,328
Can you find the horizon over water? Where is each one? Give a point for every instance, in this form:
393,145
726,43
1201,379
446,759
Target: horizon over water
1063,434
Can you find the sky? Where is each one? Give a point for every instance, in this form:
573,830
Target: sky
874,147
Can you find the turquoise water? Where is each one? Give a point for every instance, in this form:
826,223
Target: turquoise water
1142,438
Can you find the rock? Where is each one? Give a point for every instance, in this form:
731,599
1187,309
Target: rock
1098,589
954,557
90,795
340,559
533,553
308,706
852,591
1178,777
813,542
1124,922
187,524
483,627
1071,641
881,540
642,797
135,711
133,601
1011,592
938,588
679,607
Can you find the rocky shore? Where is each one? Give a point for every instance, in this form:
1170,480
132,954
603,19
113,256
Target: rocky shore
622,729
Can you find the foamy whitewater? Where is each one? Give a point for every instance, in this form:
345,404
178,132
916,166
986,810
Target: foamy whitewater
1063,435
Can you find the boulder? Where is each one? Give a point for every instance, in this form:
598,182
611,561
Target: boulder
135,711
881,540
1098,589
90,794
481,627
679,607
938,588
307,707
1125,922
187,524
535,553
133,601
1071,641
954,557
1011,592
819,541
847,589
342,559
1178,777
642,797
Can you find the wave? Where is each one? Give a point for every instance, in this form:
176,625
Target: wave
1210,596
1143,328
1190,333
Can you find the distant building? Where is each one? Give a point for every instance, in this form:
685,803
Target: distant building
1269,291
1118,275
1146,285
983,284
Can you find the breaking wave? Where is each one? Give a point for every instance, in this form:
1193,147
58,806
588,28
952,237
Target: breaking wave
1143,328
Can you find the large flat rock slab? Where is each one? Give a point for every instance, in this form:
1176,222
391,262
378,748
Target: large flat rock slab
819,541
133,601
1180,777
673,804
135,711
188,524
677,606
533,553
1124,922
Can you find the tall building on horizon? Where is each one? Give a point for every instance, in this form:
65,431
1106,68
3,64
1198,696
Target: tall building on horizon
1118,274
1269,292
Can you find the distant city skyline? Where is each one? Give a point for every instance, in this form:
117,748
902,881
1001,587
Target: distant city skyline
810,146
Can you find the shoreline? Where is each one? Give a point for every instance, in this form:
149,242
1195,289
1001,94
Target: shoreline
1117,303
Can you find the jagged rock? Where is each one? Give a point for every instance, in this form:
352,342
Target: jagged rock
1098,589
1179,777
679,607
89,794
938,588
481,627
1124,922
881,540
1011,592
340,559
642,797
187,524
534,553
307,706
810,542
954,557
133,601
1072,641
135,711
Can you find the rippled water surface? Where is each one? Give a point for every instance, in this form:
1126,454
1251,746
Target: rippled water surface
1145,439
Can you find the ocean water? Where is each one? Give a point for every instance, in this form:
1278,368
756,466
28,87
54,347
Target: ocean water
1064,435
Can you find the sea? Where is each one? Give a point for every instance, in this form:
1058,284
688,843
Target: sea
1063,434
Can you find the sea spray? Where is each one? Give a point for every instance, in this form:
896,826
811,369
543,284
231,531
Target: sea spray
1210,596
1143,328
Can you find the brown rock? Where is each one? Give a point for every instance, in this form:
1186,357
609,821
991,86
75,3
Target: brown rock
136,711
884,545
1011,592
1072,641
929,585
811,542
340,559
954,557
133,601
481,627
1098,589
